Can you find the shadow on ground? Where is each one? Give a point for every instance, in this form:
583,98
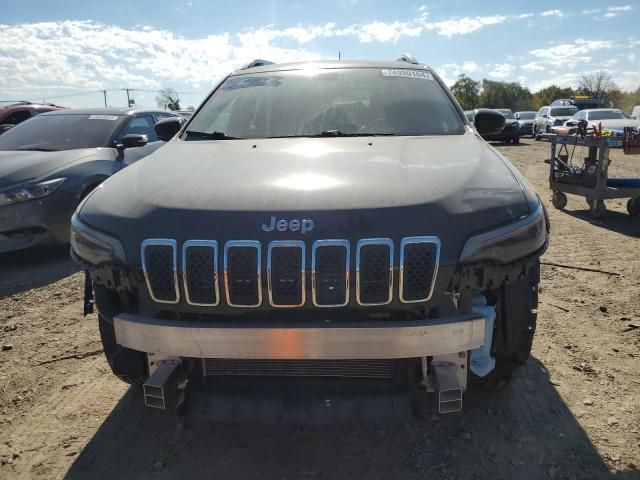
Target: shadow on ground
615,221
33,268
524,432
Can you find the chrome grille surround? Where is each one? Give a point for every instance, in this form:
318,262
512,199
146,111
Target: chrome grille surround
185,279
160,242
368,242
320,244
413,241
243,244
163,285
292,244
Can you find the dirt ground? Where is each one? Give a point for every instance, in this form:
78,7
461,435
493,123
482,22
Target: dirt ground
573,412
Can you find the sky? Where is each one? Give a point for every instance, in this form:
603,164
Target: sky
67,51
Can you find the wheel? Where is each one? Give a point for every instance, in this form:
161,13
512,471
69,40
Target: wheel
535,134
598,209
559,200
128,365
516,317
516,140
633,207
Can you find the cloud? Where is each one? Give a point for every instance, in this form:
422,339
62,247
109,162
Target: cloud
501,70
533,67
463,26
552,13
570,54
589,12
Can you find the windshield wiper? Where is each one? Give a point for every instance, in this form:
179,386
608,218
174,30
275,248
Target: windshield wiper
36,149
210,135
338,133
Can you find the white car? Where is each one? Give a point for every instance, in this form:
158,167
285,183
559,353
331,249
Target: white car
551,116
610,118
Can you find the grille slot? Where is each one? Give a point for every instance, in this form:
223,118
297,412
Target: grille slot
159,268
382,369
242,273
330,273
419,258
286,273
374,271
200,272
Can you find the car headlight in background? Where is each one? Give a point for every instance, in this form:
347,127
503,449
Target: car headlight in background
30,191
94,247
509,243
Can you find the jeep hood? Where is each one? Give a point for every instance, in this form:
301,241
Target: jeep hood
350,187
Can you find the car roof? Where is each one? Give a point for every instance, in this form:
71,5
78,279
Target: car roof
330,64
18,105
601,110
107,111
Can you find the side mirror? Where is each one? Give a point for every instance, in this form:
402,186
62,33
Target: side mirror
487,121
168,127
133,140
5,127
516,116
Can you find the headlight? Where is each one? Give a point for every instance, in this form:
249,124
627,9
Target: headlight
94,247
30,191
509,243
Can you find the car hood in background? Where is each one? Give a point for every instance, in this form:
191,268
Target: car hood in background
616,123
351,187
17,166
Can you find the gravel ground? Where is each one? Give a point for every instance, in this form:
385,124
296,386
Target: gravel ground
571,413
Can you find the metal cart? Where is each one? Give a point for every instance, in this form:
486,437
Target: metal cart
590,177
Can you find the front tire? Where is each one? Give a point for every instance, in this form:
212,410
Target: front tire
633,207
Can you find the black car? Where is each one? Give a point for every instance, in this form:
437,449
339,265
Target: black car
50,162
525,121
334,227
511,131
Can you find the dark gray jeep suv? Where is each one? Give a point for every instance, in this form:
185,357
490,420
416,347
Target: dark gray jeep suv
313,221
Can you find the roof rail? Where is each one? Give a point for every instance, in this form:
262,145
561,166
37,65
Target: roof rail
256,63
406,57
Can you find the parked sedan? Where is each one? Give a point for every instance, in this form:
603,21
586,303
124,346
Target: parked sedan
13,113
50,162
511,131
525,121
609,118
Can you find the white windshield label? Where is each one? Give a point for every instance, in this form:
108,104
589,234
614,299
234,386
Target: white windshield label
103,117
418,74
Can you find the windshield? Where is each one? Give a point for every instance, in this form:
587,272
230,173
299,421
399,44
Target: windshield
60,132
526,115
608,115
506,112
563,111
330,102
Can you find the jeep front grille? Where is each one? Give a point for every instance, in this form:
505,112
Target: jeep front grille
159,268
286,272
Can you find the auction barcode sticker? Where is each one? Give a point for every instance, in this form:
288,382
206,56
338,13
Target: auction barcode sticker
399,72
103,117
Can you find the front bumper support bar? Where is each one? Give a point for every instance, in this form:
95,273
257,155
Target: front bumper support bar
304,341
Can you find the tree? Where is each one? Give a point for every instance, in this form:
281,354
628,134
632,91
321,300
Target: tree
597,85
168,99
466,92
504,95
548,94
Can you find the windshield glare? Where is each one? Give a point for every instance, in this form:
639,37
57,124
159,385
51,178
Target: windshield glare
526,115
60,132
608,115
359,101
563,112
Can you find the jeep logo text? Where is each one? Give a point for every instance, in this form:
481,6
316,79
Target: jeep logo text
303,226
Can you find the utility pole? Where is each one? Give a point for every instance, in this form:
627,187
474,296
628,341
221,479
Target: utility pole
104,92
128,98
